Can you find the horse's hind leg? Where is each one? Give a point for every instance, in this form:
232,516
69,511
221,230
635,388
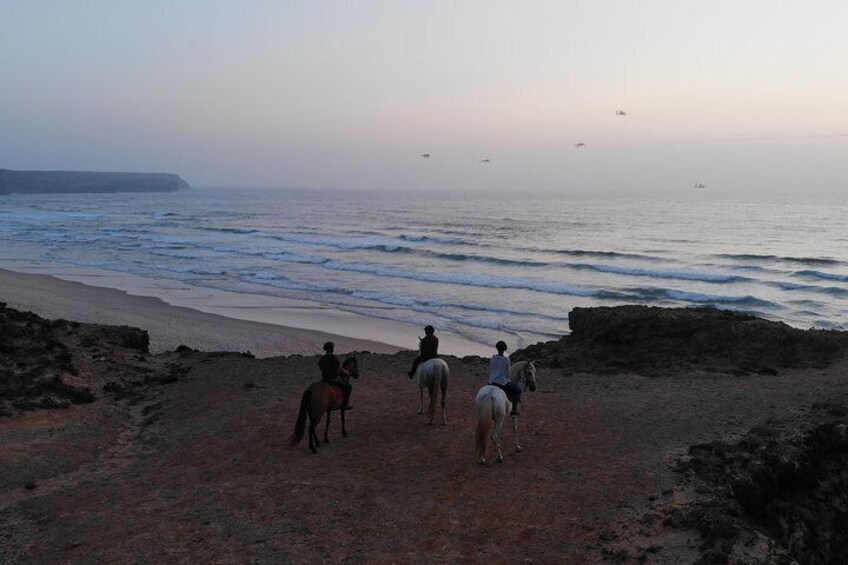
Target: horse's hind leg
344,429
444,407
313,437
496,437
515,432
431,404
327,428
420,399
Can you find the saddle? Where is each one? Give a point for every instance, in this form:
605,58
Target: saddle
338,383
510,394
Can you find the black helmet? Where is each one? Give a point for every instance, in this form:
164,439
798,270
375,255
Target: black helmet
329,346
429,329
500,346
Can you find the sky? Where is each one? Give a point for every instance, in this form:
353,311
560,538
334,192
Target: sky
744,96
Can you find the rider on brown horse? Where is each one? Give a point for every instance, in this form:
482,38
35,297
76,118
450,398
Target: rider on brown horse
428,348
331,371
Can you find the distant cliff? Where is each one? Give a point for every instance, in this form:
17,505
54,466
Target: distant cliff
58,182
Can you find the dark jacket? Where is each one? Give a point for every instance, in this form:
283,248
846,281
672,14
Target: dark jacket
429,347
329,365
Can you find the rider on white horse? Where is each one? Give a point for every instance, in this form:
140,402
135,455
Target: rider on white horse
428,348
499,377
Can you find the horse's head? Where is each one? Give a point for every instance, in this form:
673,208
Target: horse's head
530,375
351,366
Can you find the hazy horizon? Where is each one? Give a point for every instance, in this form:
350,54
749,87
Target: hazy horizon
746,98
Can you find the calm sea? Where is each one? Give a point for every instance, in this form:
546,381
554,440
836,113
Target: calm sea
485,267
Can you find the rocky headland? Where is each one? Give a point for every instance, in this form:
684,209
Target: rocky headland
62,182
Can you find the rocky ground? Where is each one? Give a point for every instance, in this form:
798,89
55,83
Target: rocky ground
646,442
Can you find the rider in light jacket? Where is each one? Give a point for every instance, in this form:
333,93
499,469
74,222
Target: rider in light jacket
499,377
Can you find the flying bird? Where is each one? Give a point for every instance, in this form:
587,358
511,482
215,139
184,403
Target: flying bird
581,144
484,160
620,113
425,155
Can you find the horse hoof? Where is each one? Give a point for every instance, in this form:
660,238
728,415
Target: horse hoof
482,461
420,412
518,449
500,459
344,434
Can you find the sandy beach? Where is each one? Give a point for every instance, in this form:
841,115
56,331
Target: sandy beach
169,326
205,319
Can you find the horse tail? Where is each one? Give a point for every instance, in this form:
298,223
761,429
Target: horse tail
485,416
300,426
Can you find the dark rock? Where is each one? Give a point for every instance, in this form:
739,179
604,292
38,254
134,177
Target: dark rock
651,340
36,357
184,350
122,336
789,482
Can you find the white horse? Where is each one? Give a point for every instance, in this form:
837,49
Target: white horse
493,406
432,375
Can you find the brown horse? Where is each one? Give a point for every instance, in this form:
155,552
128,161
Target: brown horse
322,398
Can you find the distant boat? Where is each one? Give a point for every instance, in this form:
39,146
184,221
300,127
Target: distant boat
620,113
700,185
484,160
425,155
581,144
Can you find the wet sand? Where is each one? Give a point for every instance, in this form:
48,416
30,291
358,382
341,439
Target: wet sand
170,326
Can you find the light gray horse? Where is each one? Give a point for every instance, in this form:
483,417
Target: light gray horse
432,375
493,406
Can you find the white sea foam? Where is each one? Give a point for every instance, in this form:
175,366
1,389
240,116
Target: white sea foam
470,264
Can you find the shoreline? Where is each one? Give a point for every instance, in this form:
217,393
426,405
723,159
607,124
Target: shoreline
207,319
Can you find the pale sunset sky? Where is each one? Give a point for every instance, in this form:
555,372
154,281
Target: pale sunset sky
746,96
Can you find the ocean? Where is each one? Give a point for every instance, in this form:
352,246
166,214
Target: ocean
486,267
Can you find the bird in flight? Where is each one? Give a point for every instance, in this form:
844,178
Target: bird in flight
620,113
581,144
484,160
425,155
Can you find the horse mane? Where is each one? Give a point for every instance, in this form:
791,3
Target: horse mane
351,360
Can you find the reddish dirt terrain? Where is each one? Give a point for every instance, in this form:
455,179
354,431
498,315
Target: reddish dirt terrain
109,454
199,470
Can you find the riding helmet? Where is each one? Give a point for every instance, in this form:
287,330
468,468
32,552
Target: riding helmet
500,346
329,346
429,330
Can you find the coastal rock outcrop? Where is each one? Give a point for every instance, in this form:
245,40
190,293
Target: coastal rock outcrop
778,495
38,367
61,182
651,340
